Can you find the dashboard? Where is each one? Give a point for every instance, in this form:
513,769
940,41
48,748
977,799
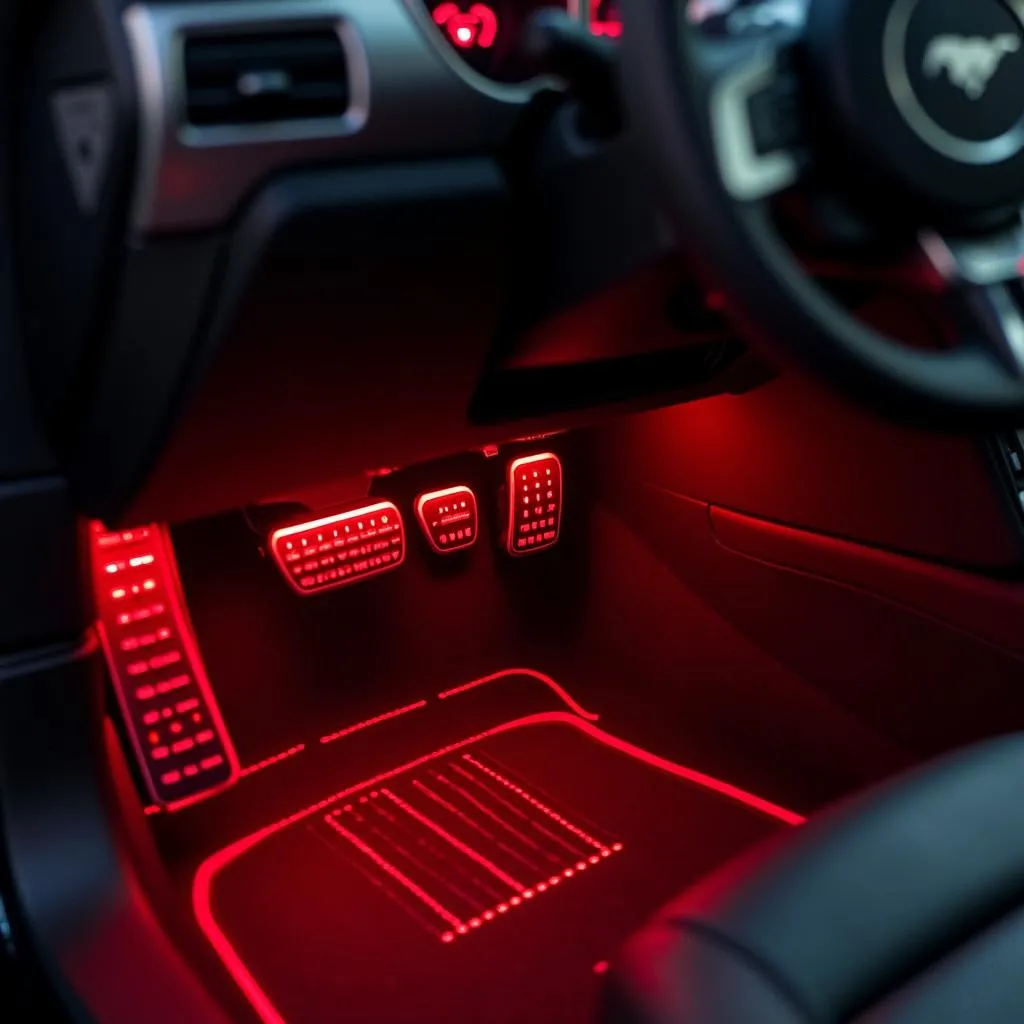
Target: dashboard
485,33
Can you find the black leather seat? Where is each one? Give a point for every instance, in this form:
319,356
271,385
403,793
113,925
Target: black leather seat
904,905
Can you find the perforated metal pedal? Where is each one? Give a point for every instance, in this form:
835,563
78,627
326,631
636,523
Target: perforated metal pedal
534,503
449,518
181,744
340,549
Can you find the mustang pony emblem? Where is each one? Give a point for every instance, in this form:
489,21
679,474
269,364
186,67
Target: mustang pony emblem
970,61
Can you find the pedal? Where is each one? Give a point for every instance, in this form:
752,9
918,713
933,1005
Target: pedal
340,549
449,518
534,503
181,743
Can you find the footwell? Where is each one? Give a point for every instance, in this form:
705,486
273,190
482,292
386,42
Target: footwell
489,880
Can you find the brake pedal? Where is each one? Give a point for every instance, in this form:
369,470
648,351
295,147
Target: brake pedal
534,503
340,549
449,518
181,743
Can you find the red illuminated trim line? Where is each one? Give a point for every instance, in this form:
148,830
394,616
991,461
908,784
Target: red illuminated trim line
376,720
558,691
202,884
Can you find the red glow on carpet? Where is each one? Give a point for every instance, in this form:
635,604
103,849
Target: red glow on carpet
534,495
208,871
388,867
376,720
559,691
457,843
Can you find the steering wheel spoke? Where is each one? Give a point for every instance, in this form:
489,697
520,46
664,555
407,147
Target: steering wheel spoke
984,276
755,115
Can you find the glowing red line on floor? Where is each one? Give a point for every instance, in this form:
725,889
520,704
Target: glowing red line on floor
276,759
386,865
480,784
373,721
506,905
494,817
534,802
466,819
561,693
457,843
209,869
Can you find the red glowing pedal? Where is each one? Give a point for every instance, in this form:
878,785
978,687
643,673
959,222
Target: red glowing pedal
182,745
534,503
449,518
340,549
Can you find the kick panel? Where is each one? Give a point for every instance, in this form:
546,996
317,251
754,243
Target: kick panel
181,744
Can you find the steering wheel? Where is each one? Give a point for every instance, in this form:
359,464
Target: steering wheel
911,112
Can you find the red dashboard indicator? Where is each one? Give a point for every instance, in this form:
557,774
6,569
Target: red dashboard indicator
340,549
476,27
534,503
605,19
449,518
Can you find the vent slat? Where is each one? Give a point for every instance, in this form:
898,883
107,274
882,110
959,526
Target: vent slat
298,75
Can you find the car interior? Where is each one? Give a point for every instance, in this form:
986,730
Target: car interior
512,511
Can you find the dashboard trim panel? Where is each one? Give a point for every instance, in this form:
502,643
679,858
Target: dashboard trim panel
408,100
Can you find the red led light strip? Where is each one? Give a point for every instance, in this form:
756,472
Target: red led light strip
520,897
539,676
372,721
180,741
543,808
457,843
209,869
276,759
534,512
387,866
559,692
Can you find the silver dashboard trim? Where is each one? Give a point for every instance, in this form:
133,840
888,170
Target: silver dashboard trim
747,174
407,101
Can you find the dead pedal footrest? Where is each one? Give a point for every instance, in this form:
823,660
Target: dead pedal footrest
181,743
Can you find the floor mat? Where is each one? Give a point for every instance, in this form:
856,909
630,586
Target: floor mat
489,881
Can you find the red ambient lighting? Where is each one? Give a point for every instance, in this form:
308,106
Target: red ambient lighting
477,27
202,885
180,741
534,503
541,677
376,720
605,19
340,549
449,518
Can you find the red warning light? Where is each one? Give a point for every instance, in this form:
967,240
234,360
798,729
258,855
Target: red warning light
477,27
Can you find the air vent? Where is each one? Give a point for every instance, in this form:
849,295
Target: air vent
251,78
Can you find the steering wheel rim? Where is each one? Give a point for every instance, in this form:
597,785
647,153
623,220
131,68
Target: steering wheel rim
668,98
